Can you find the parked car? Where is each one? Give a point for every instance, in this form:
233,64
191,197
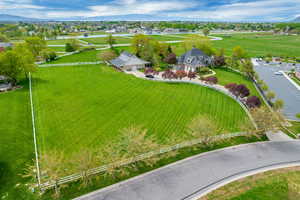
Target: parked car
278,73
149,76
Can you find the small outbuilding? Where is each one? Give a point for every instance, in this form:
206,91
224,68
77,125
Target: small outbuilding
194,59
129,62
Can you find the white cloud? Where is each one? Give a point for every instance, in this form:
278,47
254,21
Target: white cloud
125,7
266,10
18,4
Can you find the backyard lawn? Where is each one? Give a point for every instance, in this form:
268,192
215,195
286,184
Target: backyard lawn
87,106
16,142
272,185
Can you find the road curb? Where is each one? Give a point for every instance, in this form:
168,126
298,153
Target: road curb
206,190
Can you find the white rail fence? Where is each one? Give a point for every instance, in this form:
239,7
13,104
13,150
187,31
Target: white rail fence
103,168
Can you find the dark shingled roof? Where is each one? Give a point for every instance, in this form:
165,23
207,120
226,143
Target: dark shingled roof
194,57
127,59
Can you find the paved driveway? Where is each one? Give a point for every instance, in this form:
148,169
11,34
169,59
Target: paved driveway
283,88
195,176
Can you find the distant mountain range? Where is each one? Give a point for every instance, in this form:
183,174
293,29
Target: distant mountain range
297,19
13,18
132,17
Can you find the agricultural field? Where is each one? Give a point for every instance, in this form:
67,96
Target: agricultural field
16,142
86,56
275,185
103,40
87,106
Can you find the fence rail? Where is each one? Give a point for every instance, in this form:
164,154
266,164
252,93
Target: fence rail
103,168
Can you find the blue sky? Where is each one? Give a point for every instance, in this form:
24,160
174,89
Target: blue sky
211,10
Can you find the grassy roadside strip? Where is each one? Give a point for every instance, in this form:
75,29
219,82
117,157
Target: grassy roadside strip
275,185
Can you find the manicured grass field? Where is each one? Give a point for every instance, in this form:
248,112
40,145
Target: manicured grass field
87,56
254,44
165,38
103,40
273,185
261,44
58,49
60,42
86,107
57,42
16,142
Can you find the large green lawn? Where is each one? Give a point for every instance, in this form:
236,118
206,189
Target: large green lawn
86,107
87,56
255,44
103,40
273,185
260,44
165,37
16,142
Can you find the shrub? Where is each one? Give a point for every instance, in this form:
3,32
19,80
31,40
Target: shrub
211,80
181,74
168,74
69,48
149,71
242,91
203,70
253,102
191,75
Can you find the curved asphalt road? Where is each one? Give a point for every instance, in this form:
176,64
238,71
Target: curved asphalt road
195,176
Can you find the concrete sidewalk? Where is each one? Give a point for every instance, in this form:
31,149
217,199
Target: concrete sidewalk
198,175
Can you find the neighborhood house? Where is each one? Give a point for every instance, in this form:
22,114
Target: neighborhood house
193,59
128,62
4,45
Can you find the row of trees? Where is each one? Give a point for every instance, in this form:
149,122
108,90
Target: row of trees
133,141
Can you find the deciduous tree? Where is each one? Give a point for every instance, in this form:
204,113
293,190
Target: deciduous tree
16,61
110,40
35,45
202,127
107,55
171,59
